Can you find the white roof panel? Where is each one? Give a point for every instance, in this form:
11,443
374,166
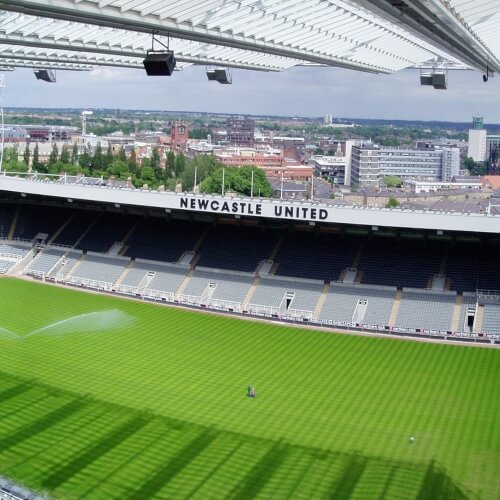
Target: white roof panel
271,35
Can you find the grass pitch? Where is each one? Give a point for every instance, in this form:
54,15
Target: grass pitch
107,398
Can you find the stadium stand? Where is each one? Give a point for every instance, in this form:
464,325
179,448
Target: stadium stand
228,288
406,263
108,229
162,240
44,262
6,266
286,296
345,304
156,266
468,303
315,256
39,219
68,263
491,318
429,310
6,218
166,281
98,269
76,228
239,249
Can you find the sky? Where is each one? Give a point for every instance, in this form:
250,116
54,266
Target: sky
301,91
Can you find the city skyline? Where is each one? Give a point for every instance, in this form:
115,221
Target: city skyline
304,91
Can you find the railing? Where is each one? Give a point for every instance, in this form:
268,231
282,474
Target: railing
262,310
128,289
89,283
188,299
148,293
225,305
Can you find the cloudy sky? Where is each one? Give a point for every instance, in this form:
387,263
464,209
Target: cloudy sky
299,91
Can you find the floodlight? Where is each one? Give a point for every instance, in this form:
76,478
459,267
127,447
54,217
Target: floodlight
159,63
46,75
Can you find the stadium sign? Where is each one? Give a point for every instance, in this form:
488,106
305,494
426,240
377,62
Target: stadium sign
252,208
95,190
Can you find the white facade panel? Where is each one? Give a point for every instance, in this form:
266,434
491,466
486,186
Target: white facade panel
262,208
477,145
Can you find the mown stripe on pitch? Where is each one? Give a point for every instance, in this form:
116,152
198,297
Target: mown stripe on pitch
41,424
101,447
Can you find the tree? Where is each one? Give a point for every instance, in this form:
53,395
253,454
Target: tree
155,158
64,159
475,168
180,164
54,155
392,181
170,164
122,156
392,203
132,162
119,169
319,152
37,165
108,158
97,159
148,176
74,154
26,155
84,160
238,180
203,166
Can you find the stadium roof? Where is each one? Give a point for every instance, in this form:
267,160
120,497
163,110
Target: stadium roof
380,36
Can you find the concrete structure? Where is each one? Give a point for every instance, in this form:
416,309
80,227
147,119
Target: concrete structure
365,170
331,167
369,163
240,131
93,190
477,140
493,153
429,187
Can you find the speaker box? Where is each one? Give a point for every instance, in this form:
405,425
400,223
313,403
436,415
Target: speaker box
426,79
45,75
223,76
159,63
211,74
439,81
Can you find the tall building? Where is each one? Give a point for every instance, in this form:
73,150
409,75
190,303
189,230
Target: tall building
493,154
240,132
369,163
365,169
477,140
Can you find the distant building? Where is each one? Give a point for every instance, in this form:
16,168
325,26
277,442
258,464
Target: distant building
477,140
14,134
328,119
369,163
179,134
493,154
240,132
331,167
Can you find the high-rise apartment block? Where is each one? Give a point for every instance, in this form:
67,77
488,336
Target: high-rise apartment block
370,163
240,132
477,140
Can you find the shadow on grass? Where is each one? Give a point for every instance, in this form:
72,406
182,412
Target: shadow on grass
320,473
